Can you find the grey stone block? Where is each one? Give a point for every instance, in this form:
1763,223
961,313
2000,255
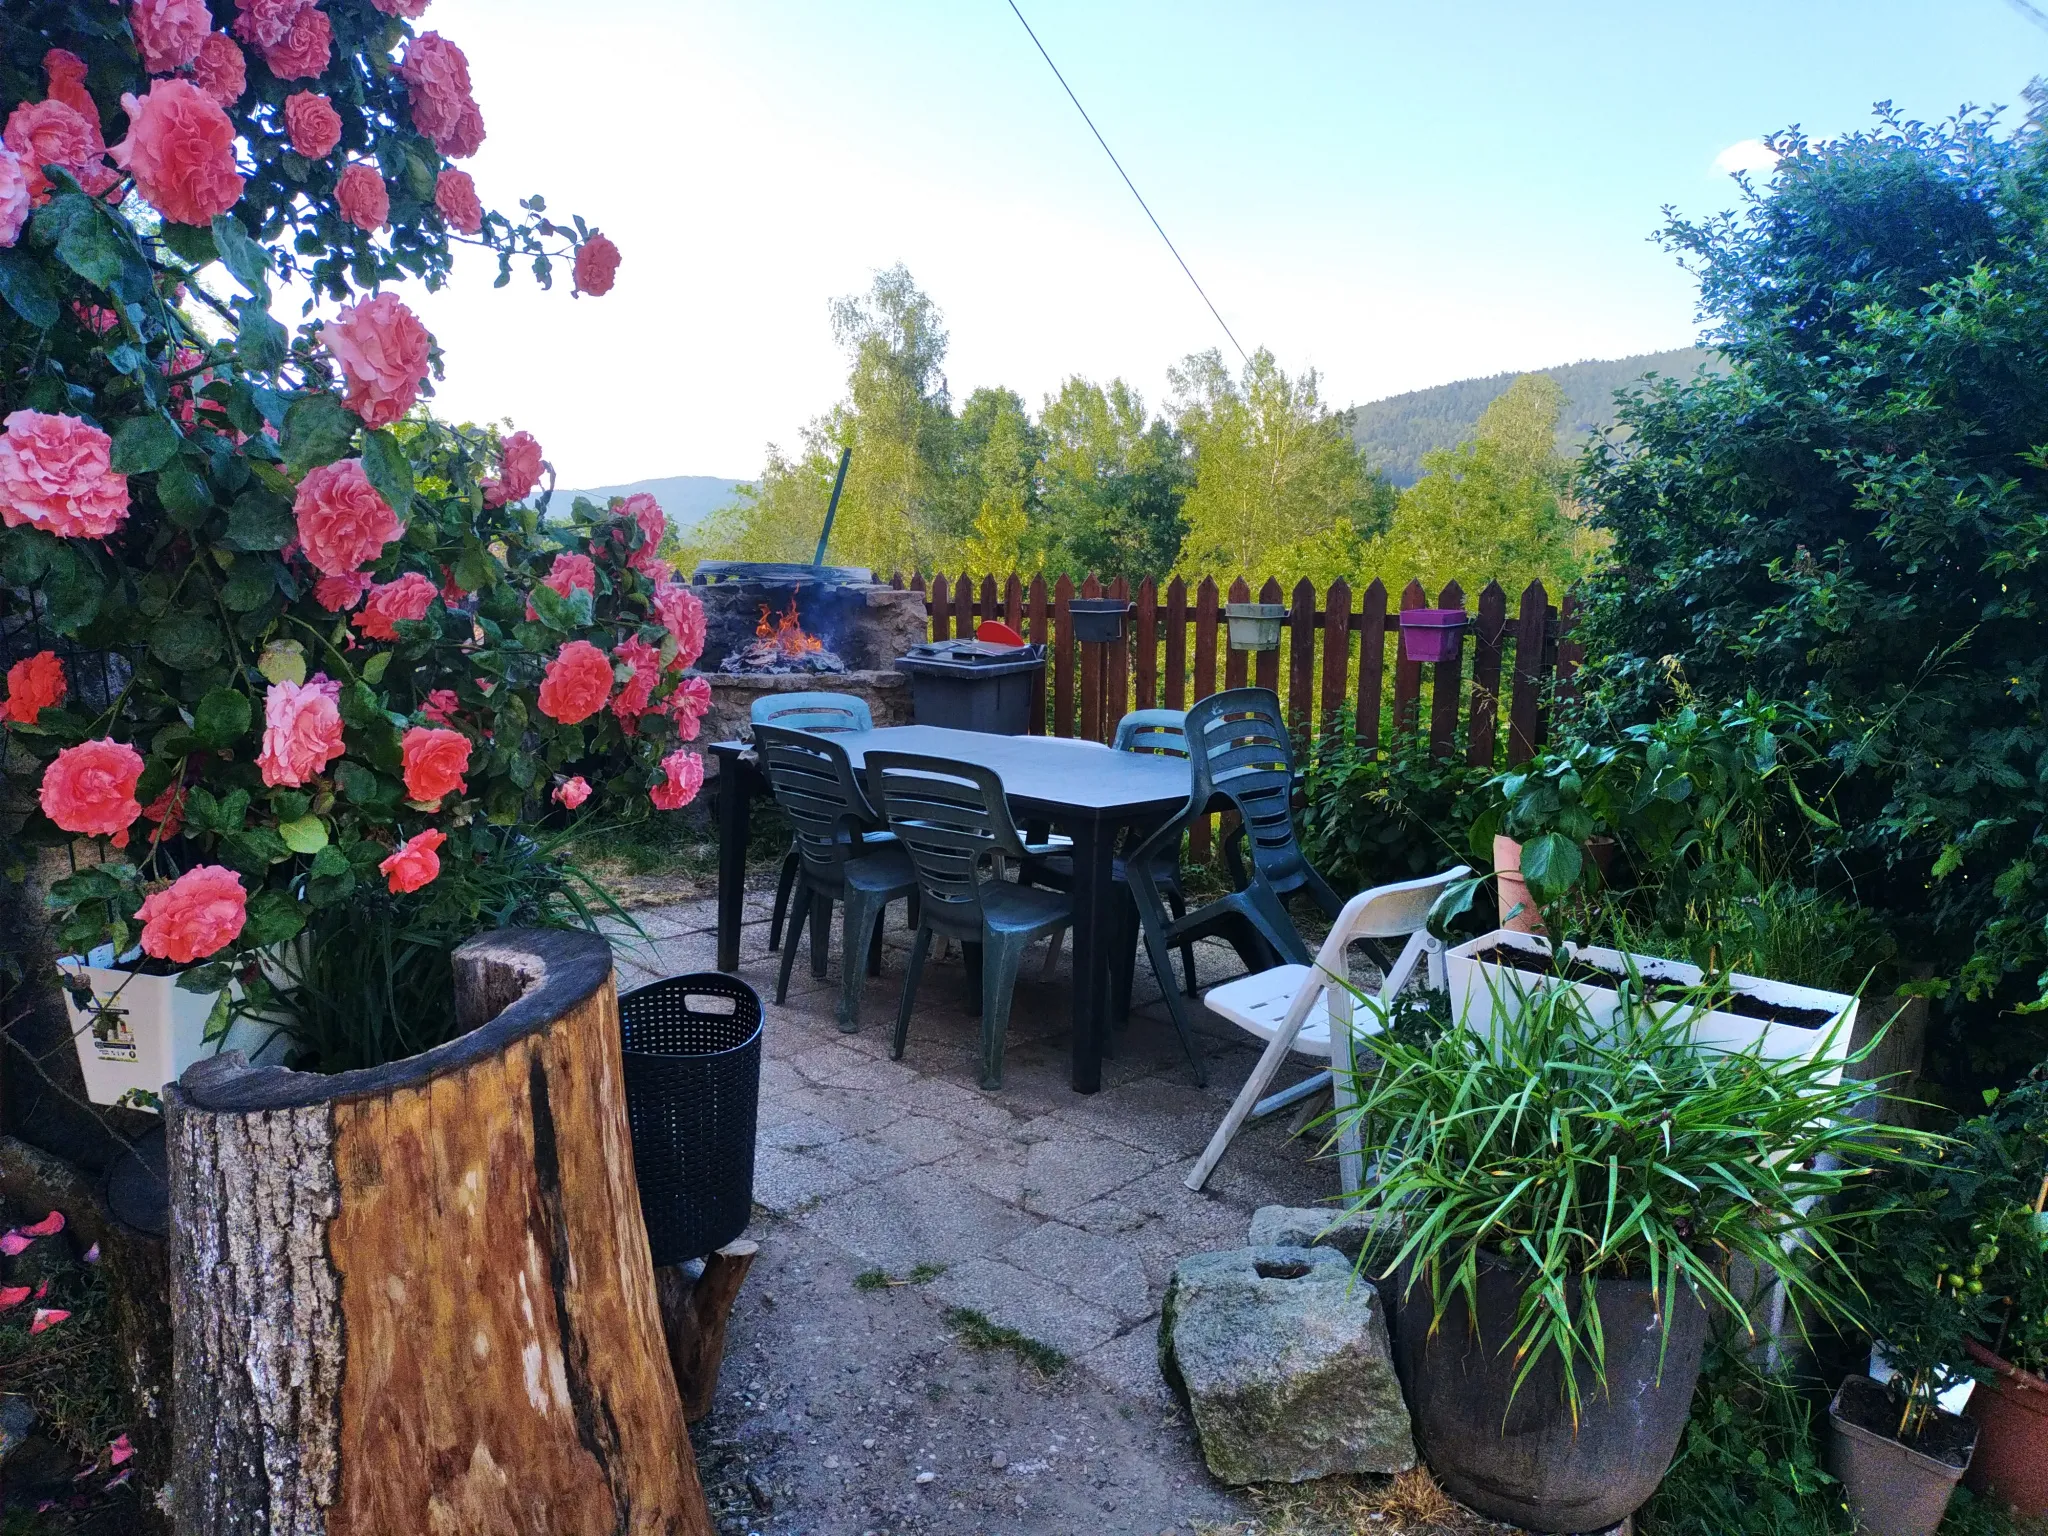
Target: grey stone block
1284,1362
1296,1226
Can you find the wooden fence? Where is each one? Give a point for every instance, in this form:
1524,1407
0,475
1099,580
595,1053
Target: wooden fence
1337,658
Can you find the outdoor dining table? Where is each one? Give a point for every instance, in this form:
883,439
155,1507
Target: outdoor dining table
1080,787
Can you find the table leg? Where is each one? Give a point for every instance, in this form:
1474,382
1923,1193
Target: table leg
735,817
1094,897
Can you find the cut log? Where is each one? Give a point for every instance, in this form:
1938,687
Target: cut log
694,1315
419,1297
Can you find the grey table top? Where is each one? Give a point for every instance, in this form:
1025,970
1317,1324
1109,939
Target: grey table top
1051,771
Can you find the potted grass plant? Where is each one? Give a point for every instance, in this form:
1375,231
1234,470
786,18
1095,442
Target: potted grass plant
1567,1197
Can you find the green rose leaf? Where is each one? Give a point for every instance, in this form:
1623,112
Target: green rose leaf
143,444
373,669
206,978
1551,865
273,918
188,242
474,569
222,718
330,861
185,642
250,583
247,260
360,785
317,430
308,834
185,495
262,342
72,589
88,244
388,470
283,661
27,290
218,1018
259,521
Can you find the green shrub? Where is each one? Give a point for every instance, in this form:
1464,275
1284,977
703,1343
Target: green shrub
1394,813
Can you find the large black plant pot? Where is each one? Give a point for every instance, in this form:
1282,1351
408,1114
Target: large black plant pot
1523,1463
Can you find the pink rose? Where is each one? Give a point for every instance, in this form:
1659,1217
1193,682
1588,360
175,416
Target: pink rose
343,523
644,510
167,810
51,133
220,70
90,789
34,684
440,705
304,49
265,23
409,9
338,594
15,198
576,684
384,353
413,863
682,614
312,123
683,776
181,151
409,597
56,473
597,264
644,667
198,914
572,792
455,196
569,573
435,761
519,470
169,32
65,71
688,705
301,731
364,200
436,76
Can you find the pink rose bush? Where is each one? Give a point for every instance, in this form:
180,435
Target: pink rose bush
364,199
301,731
169,32
455,196
57,474
645,511
181,151
65,72
343,523
416,861
409,597
571,793
681,613
338,594
519,470
682,775
221,70
597,265
198,914
34,684
383,352
45,133
435,761
444,108
578,682
15,200
90,789
312,124
304,49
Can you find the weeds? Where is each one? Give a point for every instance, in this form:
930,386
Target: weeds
977,1332
882,1280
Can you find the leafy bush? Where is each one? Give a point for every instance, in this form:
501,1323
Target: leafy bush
1394,813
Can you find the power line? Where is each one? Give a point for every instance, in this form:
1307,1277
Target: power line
2031,12
1126,176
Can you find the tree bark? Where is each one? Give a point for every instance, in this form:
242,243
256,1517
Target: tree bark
419,1297
693,1316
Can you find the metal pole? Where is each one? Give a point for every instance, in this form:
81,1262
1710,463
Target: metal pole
832,511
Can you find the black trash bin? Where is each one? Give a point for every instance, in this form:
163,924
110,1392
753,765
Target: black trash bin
974,685
693,1089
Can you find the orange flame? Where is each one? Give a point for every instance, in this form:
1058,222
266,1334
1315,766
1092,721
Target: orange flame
787,632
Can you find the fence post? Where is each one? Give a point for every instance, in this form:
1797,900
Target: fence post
1040,633
1234,667
1301,664
1408,674
963,608
1205,684
988,609
1336,653
1372,663
1148,645
941,612
1443,699
1526,700
1062,658
1013,603
1483,739
1177,644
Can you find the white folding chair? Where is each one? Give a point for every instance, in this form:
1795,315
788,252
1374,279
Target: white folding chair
1309,1008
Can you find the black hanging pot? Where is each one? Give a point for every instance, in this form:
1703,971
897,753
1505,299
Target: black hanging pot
1524,1462
1098,618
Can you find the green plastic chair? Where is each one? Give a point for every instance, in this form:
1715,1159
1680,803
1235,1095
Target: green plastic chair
953,821
840,860
826,713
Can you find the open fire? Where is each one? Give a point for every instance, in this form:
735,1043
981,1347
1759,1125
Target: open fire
782,644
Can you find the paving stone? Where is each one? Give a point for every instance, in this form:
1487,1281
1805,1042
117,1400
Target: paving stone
801,1133
919,1138
1095,1268
919,1216
789,1182
1011,1298
1130,1364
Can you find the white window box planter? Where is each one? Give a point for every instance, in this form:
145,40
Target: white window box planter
1822,1033
140,1031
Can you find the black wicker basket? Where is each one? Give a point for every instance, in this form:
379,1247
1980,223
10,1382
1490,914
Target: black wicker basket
693,1086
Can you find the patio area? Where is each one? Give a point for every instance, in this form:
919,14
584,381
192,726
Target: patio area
903,1213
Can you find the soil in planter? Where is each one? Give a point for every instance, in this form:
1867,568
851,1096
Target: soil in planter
1945,1437
1739,1003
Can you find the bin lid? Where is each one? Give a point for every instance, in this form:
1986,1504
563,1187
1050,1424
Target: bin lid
980,658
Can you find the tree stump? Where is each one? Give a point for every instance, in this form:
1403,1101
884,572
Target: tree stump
419,1297
694,1312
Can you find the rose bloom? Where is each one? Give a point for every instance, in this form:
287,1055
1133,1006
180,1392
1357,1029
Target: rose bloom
34,684
411,10
436,76
301,731
338,594
304,49
682,614
569,573
455,195
644,664
220,70
519,470
597,265
683,776
364,199
51,133
409,597
572,792
468,135
90,789
435,761
265,23
65,71
198,914
15,201
576,683
384,352
413,863
56,474
167,810
643,509
312,123
181,151
440,705
169,32
688,705
343,523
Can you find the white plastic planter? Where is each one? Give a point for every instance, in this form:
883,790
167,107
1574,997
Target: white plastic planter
1475,985
141,1032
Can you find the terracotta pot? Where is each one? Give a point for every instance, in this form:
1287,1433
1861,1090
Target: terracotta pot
1513,890
2011,1411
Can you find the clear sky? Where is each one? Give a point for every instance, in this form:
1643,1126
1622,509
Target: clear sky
1394,194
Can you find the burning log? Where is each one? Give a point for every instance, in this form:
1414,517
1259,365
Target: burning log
782,644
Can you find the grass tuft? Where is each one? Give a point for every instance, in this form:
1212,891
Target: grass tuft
882,1280
977,1332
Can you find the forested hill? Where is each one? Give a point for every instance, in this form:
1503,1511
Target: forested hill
1397,431
687,499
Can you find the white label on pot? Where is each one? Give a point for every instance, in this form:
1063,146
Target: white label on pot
112,1040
